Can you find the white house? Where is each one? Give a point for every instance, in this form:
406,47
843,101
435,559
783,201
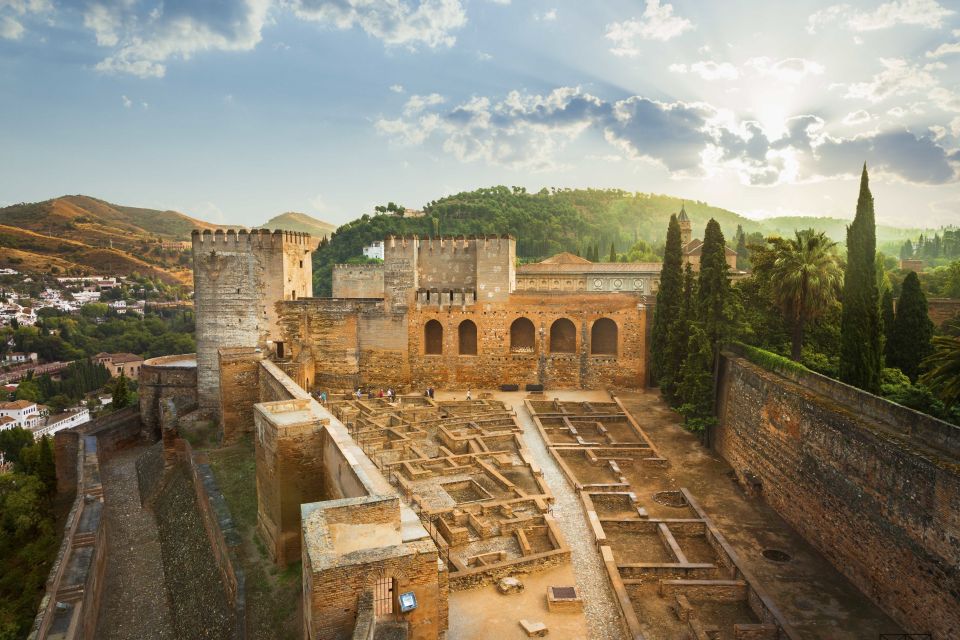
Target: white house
375,250
19,357
120,306
25,414
67,419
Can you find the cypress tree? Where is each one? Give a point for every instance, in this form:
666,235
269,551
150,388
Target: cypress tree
886,317
910,340
121,394
713,286
860,360
613,253
667,309
695,390
677,339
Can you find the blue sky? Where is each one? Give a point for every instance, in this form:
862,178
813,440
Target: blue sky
236,110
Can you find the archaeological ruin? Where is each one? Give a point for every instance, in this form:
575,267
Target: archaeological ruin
538,488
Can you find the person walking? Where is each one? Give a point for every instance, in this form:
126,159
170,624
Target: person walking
469,395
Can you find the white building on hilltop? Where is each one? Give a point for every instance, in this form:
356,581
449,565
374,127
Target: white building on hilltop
375,250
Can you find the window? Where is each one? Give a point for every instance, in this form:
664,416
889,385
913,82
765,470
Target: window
603,337
433,338
523,336
467,338
279,349
563,336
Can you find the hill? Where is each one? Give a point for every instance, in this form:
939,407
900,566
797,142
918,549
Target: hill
293,221
79,234
836,228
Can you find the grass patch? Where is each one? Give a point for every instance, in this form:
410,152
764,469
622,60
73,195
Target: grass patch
768,360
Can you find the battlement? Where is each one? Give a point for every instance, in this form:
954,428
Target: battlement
450,243
233,240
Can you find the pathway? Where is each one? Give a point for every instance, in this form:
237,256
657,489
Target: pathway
134,605
600,607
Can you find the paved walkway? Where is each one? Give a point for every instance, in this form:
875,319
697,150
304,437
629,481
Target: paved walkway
600,607
134,605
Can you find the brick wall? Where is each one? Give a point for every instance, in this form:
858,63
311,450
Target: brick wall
358,281
162,378
875,487
943,310
239,390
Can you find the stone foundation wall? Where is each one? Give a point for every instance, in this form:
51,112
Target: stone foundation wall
943,310
874,486
163,378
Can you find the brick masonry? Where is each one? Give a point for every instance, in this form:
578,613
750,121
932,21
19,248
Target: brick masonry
877,492
167,377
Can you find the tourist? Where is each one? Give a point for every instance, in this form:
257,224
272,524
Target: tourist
380,393
469,395
323,397
357,393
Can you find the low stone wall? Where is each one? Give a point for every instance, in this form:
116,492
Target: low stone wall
873,485
150,472
167,377
68,610
115,430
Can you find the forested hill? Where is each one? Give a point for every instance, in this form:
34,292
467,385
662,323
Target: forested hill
544,223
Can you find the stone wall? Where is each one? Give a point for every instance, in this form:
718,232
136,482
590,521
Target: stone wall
874,486
237,279
354,342
239,390
358,281
173,377
943,310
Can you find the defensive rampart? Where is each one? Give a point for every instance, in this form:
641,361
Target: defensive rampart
873,485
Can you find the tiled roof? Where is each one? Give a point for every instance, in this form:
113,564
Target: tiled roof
565,258
695,247
16,404
590,267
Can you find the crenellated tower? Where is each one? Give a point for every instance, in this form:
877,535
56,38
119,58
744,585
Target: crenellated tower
238,278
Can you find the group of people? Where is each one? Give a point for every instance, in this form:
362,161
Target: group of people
389,394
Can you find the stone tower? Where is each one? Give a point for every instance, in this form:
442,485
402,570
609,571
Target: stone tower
686,230
238,277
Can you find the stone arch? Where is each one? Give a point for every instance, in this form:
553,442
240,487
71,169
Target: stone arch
467,338
563,336
433,338
523,336
603,337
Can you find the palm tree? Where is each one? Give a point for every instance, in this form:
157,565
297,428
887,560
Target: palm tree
807,277
943,369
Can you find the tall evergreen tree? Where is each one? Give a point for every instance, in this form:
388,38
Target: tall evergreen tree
678,335
713,286
613,253
668,297
121,393
887,318
695,388
910,340
860,360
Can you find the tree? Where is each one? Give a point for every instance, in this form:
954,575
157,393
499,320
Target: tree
695,390
667,310
912,331
743,253
613,253
37,459
860,361
887,318
906,251
713,286
121,394
678,336
806,278
943,369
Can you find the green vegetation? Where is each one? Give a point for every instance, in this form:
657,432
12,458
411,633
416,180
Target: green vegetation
860,356
121,393
769,360
28,532
667,311
909,341
943,370
77,380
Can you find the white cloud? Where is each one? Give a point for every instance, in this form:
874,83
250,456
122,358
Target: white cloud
406,23
955,127
924,13
145,105
127,102
525,131
10,28
657,23
708,70
483,56
547,16
416,103
143,43
319,204
397,88
944,49
898,78
791,70
857,117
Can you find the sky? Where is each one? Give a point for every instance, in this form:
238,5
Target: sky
236,110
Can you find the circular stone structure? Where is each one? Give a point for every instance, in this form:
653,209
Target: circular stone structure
173,377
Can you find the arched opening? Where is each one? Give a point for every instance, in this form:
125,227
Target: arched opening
523,336
433,338
467,338
603,337
563,336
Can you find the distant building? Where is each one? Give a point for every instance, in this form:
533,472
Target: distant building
911,264
120,306
567,272
66,420
375,250
20,413
117,363
692,248
18,357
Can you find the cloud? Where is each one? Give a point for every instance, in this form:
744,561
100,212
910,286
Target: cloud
407,23
143,42
857,117
945,49
657,23
483,56
127,102
10,28
397,88
924,13
791,70
527,131
708,70
547,16
898,78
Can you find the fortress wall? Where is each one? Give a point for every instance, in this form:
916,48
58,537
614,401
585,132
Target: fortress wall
879,498
162,378
448,263
496,268
358,281
239,390
943,310
400,272
327,329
